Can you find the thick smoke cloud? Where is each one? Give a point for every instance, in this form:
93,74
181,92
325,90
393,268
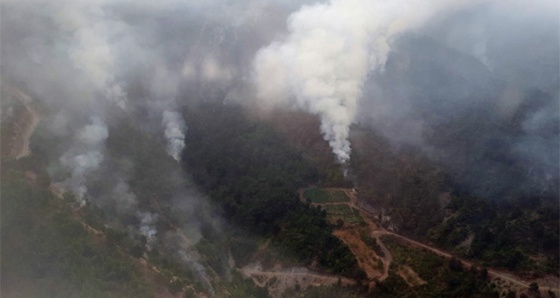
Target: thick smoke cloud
411,70
477,90
322,65
91,50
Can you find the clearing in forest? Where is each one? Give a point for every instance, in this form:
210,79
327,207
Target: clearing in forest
321,195
367,259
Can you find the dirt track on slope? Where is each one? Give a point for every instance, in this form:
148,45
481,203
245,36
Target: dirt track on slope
378,231
25,124
278,281
28,131
365,256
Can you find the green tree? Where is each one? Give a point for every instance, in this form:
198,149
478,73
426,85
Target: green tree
533,287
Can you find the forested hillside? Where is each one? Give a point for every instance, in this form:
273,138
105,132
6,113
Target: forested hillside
312,148
47,251
247,168
471,165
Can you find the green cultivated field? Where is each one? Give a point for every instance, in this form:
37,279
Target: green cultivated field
318,195
344,212
338,209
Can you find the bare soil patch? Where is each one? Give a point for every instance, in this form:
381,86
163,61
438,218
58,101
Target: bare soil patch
277,280
18,127
368,260
410,276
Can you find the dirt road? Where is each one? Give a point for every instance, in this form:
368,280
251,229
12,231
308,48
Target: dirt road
321,279
378,231
279,280
491,272
367,258
368,219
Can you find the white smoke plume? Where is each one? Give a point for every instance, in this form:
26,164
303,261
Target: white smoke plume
322,64
147,226
198,269
175,129
85,157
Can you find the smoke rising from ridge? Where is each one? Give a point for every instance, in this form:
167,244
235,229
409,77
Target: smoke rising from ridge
121,61
147,226
323,63
175,128
474,84
475,94
327,58
85,158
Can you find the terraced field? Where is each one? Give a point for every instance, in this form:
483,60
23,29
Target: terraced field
321,196
343,211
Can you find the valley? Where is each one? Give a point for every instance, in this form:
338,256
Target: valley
355,223
283,149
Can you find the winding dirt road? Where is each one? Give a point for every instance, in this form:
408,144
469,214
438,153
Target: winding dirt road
279,280
377,232
491,272
366,257
319,279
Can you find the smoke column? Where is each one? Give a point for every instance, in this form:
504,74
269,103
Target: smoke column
198,270
322,64
147,226
175,128
85,157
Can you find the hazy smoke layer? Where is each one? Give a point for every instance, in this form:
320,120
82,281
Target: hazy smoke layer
123,61
175,128
322,64
124,199
474,92
338,59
